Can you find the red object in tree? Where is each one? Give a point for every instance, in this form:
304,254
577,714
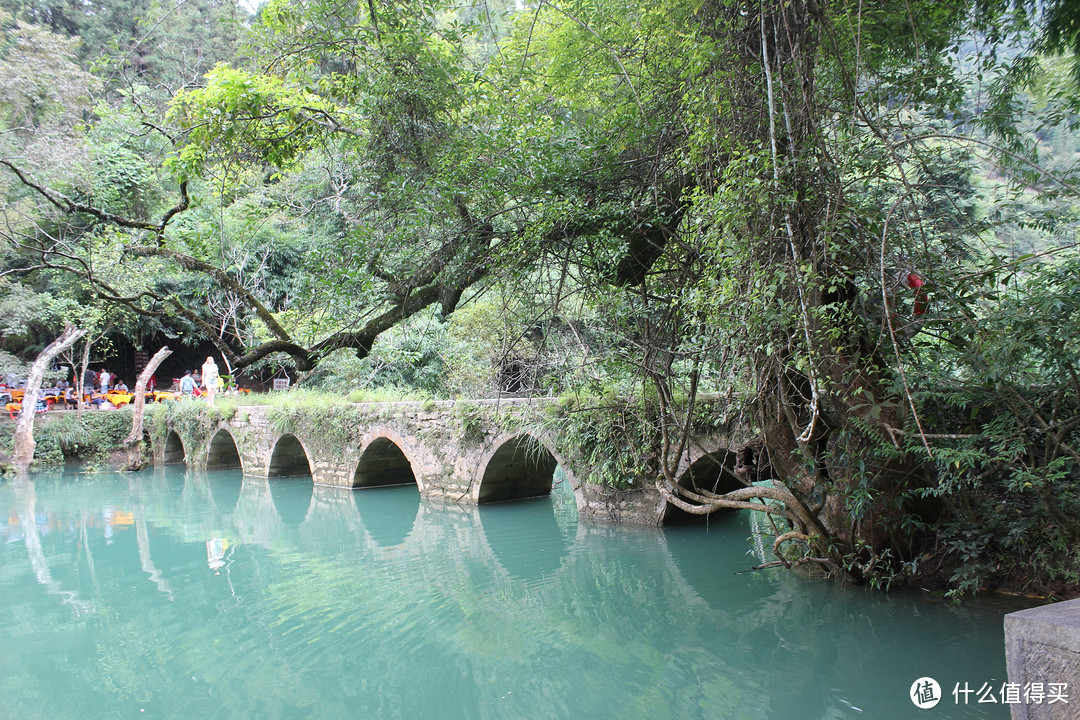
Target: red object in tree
922,299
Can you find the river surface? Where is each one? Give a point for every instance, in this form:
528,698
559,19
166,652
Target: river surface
169,594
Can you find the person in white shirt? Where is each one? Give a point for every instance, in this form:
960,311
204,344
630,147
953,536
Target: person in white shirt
210,379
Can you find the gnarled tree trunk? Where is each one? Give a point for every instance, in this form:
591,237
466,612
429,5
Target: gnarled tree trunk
24,428
133,443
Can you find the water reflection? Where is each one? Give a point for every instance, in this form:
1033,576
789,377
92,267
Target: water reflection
255,516
525,538
224,487
388,513
167,479
292,498
717,564
122,597
332,522
146,560
29,524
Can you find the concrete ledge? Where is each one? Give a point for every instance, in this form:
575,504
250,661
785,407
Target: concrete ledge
1042,645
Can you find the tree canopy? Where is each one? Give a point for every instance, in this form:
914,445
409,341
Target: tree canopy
856,223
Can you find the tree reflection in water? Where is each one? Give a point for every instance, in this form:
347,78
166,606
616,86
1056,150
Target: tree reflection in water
375,603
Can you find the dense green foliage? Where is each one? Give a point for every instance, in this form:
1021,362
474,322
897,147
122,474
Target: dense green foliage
854,223
95,439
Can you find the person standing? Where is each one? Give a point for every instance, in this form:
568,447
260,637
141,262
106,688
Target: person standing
210,379
187,385
103,379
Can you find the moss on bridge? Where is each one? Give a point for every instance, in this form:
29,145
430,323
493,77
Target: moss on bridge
466,451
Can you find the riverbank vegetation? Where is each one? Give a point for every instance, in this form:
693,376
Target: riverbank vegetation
95,440
859,225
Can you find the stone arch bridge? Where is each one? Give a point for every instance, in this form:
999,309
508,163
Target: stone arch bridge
468,452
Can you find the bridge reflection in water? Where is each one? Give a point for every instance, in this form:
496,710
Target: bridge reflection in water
206,594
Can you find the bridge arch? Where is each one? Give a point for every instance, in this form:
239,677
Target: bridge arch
222,452
520,466
383,463
711,471
174,452
289,458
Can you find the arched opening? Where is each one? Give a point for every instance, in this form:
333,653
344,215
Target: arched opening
289,459
520,468
383,464
711,473
223,454
174,449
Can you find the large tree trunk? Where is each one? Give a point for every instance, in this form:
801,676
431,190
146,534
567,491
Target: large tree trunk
24,429
825,399
80,374
134,440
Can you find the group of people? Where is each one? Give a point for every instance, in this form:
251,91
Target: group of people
65,394
205,381
202,382
96,385
97,382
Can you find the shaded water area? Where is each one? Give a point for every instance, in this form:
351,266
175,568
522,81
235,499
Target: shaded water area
210,595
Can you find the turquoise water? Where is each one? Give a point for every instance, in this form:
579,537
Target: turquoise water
168,594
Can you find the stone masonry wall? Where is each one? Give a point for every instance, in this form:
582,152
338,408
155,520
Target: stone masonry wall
449,446
1042,647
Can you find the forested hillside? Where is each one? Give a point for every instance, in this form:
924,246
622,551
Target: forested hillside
858,224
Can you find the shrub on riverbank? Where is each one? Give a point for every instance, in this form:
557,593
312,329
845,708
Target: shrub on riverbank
92,436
